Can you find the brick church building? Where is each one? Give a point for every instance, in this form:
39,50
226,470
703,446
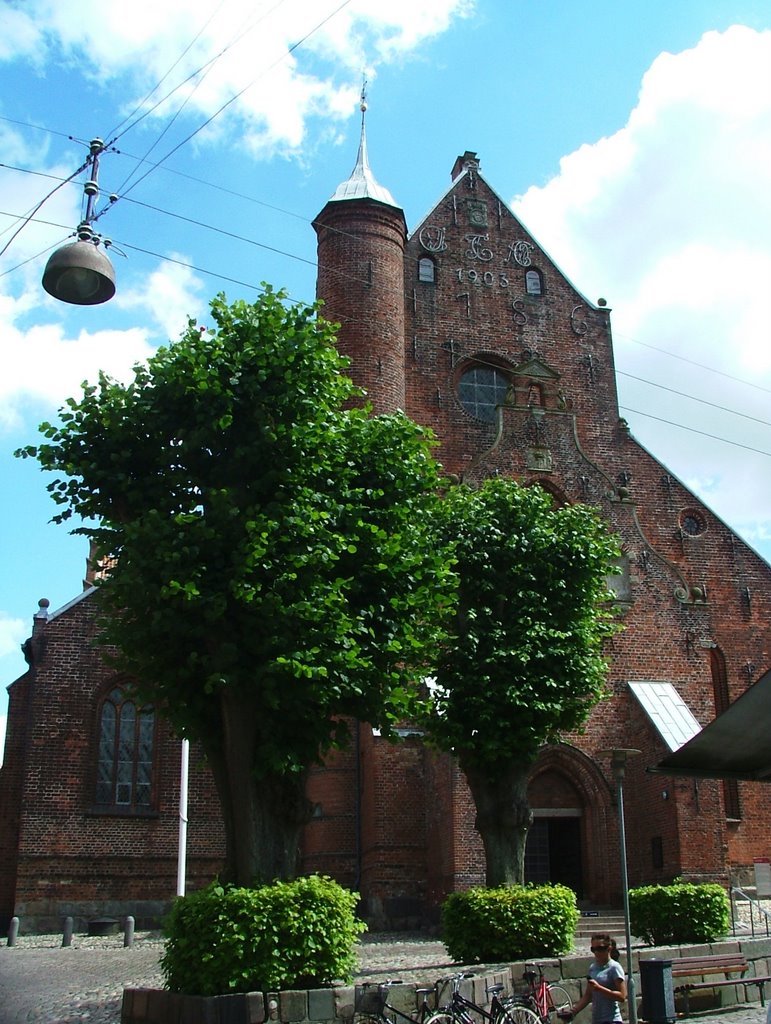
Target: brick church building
466,324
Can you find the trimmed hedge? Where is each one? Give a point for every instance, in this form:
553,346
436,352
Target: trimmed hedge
512,922
683,912
299,934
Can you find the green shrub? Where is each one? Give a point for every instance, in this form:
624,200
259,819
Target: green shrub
299,934
512,922
664,914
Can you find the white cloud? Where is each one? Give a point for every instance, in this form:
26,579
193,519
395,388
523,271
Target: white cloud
169,295
41,366
670,220
12,633
240,49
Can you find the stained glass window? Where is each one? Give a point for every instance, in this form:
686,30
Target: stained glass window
125,759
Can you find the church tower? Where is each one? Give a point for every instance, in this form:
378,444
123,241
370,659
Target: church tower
361,238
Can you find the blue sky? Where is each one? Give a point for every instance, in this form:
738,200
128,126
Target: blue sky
633,139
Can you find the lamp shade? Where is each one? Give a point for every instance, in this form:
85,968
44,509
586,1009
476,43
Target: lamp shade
79,273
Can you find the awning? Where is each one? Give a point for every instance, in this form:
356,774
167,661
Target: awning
736,745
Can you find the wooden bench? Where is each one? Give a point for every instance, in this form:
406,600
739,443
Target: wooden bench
720,963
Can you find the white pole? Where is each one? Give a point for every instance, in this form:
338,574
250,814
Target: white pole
182,851
631,994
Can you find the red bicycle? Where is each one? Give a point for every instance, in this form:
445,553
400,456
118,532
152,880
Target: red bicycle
549,1002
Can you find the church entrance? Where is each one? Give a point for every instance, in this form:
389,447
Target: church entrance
553,851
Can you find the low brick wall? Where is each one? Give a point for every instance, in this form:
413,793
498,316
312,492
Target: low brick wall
336,1005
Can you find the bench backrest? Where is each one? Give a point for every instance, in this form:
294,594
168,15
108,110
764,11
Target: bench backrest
720,963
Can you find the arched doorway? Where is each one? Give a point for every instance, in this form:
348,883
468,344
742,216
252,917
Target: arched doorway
572,808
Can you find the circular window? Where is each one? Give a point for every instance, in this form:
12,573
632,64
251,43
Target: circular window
692,522
481,389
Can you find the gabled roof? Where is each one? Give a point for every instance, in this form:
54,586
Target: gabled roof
462,168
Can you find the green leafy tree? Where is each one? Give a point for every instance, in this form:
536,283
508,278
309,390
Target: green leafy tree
525,663
271,565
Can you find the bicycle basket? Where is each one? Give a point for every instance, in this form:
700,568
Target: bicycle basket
370,999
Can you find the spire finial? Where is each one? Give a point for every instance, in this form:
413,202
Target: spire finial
362,183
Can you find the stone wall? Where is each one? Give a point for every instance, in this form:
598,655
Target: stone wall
337,1005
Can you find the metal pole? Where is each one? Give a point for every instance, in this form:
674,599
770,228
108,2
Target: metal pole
182,850
631,997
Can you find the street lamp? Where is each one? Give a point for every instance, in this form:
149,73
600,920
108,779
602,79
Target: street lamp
618,759
80,272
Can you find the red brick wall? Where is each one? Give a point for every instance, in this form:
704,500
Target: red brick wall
398,823
360,257
71,858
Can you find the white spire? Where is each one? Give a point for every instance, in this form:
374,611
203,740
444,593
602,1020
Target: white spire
362,183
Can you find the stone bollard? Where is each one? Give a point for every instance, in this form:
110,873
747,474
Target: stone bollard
69,926
128,932
13,931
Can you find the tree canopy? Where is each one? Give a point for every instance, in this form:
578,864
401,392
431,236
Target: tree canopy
525,660
272,564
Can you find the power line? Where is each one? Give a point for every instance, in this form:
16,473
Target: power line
693,398
241,92
693,362
26,218
206,68
693,430
200,128
115,133
197,269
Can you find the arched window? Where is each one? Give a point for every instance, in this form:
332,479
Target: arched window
125,755
534,282
481,389
426,270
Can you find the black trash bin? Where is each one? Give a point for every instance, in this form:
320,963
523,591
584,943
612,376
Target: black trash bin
658,997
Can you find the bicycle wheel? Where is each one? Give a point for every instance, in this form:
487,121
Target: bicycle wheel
518,1015
441,1017
560,999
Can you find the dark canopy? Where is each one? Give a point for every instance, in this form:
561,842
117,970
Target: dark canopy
736,745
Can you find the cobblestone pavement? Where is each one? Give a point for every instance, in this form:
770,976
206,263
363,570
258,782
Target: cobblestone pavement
41,982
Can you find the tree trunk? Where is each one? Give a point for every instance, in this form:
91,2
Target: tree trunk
502,820
263,815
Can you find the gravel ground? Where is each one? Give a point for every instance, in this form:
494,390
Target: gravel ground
41,982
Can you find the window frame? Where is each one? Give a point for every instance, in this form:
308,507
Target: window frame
426,261
138,771
471,407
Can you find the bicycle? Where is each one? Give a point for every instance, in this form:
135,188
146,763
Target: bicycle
461,1010
371,1005
546,1000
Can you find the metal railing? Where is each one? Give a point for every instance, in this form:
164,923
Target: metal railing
764,916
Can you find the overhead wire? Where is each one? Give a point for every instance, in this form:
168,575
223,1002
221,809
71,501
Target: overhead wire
200,128
289,50
694,430
115,133
26,218
693,398
692,362
205,68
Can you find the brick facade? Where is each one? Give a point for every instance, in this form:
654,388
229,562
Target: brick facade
468,289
